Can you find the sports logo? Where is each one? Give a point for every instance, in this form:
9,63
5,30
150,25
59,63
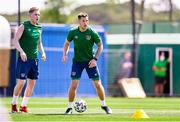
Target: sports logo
29,29
76,37
22,75
88,37
73,73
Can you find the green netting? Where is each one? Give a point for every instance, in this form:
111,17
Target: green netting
156,27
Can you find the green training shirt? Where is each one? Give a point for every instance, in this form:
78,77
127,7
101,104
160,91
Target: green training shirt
83,43
30,39
160,64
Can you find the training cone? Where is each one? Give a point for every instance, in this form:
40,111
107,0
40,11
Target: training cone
139,114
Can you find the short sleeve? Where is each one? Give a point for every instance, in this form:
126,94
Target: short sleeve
97,38
70,36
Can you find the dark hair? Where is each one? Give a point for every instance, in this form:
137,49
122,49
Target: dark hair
31,10
82,14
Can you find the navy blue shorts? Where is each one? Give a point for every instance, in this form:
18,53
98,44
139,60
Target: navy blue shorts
78,67
160,80
28,69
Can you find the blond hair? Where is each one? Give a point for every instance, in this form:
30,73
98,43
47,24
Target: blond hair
32,9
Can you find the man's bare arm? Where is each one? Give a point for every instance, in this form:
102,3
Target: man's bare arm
65,51
99,50
16,42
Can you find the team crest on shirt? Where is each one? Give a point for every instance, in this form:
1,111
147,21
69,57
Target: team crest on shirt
29,29
88,37
76,37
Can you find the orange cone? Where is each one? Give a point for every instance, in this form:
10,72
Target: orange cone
139,114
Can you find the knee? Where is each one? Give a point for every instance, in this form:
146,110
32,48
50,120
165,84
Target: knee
21,82
74,87
31,83
98,85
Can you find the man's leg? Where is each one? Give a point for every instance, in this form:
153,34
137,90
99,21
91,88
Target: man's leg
76,72
101,95
72,90
16,93
18,88
27,94
72,95
99,89
156,90
161,89
93,73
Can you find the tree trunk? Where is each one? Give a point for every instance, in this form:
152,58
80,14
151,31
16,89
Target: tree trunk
170,11
142,10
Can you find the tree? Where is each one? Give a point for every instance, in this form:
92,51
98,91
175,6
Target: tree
142,10
54,12
170,11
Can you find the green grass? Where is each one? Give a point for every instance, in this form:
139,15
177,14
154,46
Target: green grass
52,109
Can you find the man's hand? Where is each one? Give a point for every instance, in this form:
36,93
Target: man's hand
43,57
162,69
92,63
64,58
23,56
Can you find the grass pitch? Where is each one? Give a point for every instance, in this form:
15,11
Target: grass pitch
52,109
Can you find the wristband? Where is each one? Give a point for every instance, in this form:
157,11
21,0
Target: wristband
95,58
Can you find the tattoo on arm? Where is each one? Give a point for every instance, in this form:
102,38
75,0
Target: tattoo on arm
99,50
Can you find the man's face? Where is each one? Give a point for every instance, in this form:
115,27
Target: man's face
162,58
83,22
35,16
127,55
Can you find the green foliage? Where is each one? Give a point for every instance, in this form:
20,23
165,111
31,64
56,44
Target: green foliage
104,13
111,12
52,16
52,13
14,17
